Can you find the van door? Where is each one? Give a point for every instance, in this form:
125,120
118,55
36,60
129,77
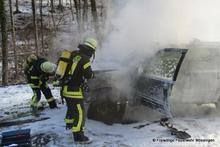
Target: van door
154,85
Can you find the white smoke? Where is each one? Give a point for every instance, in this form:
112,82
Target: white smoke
142,26
138,28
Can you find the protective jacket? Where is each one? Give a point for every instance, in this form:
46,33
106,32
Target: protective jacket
35,75
79,71
37,79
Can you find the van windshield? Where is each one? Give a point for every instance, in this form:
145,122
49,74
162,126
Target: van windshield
163,64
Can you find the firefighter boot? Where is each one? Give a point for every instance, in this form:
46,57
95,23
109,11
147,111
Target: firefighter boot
53,104
34,111
80,138
69,126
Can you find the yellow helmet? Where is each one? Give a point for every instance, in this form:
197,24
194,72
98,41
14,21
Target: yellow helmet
48,67
90,42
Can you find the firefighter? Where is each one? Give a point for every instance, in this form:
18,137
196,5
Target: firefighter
37,71
72,90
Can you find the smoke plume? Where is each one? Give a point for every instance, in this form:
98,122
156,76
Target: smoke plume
140,27
136,29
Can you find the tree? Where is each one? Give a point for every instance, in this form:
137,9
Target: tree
52,6
13,38
52,11
78,17
60,2
3,22
35,27
71,8
94,14
41,24
60,6
17,8
85,10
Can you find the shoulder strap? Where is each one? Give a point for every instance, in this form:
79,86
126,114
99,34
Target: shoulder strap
75,60
70,62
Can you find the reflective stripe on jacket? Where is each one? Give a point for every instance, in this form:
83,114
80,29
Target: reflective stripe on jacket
80,70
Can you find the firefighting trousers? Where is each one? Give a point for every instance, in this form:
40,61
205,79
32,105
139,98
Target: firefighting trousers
47,93
75,116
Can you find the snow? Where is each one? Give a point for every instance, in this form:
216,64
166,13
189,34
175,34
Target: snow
205,130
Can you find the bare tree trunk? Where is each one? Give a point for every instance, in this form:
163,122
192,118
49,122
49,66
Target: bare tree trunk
103,13
71,8
80,10
60,2
13,38
52,6
35,27
3,22
77,9
85,11
60,6
67,2
41,25
94,14
17,8
52,11
76,3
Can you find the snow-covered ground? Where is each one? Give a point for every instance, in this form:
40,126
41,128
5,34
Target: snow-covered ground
205,130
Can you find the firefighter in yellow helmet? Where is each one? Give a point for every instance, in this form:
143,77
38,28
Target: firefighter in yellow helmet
37,71
72,91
